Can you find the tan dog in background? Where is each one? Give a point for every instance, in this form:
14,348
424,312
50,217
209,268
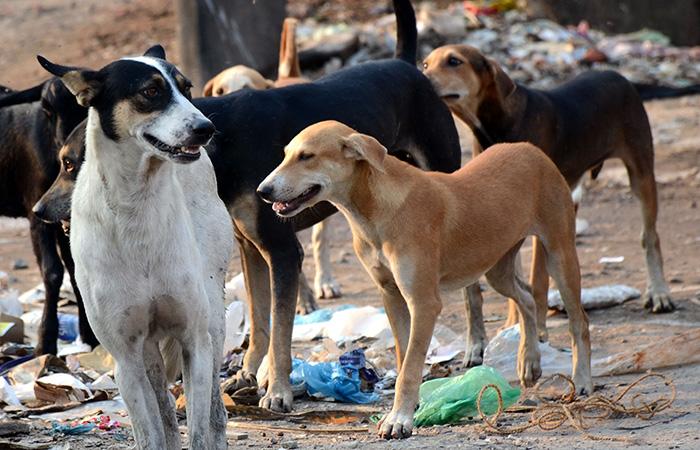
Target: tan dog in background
240,77
419,232
579,124
288,73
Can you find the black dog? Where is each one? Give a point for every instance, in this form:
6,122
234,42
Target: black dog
33,125
390,100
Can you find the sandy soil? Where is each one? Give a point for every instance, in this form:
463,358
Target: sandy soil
91,32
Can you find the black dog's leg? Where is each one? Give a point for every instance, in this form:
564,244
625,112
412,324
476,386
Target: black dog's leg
44,244
86,334
284,257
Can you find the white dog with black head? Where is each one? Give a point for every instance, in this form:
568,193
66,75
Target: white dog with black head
151,241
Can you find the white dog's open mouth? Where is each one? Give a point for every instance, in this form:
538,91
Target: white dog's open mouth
287,207
185,153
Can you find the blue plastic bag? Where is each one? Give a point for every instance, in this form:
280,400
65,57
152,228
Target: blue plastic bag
320,315
338,380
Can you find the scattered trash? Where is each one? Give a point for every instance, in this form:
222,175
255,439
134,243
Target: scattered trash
72,429
234,290
597,298
449,400
9,302
99,360
550,415
338,380
237,325
19,264
611,259
68,329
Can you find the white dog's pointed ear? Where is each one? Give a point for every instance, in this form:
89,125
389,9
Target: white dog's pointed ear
362,147
157,51
84,84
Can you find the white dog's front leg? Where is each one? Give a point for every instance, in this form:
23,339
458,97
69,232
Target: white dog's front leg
140,399
197,375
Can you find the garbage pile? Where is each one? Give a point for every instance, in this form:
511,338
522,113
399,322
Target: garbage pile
536,52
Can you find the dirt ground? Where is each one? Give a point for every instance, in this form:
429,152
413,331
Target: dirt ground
91,32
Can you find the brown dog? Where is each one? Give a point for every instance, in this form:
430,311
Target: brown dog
417,232
597,116
241,77
288,73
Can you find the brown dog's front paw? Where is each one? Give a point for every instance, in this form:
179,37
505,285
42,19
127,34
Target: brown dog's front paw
327,289
278,398
474,355
529,371
396,426
658,301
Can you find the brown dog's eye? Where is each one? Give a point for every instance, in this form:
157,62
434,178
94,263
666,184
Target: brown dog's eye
220,91
150,92
305,156
453,62
425,65
68,165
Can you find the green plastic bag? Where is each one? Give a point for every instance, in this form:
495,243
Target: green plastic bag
448,400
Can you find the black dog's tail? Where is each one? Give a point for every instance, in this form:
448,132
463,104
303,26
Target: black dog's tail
655,91
33,94
406,33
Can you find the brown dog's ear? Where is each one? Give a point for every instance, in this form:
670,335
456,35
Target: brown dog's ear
362,147
208,88
504,85
84,84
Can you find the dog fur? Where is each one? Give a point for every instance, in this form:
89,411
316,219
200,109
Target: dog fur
34,124
288,73
417,232
152,242
580,124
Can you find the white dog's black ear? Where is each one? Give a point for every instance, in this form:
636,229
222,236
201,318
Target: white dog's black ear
157,51
84,84
362,147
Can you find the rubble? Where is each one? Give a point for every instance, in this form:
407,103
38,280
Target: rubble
536,52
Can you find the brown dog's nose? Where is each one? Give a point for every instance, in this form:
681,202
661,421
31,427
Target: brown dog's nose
265,193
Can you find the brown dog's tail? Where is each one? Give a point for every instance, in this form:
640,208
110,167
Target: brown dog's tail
655,91
289,59
406,32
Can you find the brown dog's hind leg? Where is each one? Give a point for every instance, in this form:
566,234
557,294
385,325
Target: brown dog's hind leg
476,333
504,278
562,263
306,300
643,184
539,282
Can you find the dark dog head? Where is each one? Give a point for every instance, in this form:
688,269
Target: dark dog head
61,109
58,105
54,206
143,99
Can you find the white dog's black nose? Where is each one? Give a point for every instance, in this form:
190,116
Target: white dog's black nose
203,129
265,193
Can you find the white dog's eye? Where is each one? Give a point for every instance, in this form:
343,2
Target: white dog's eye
425,65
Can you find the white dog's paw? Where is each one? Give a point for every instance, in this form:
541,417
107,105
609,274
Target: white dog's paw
658,300
474,355
326,287
278,398
396,425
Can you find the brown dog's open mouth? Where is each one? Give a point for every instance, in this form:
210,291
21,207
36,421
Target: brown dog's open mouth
288,207
184,153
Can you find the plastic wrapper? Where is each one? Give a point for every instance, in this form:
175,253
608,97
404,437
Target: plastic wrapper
448,400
